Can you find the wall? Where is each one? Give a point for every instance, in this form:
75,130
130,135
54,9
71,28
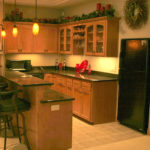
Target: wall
101,63
36,59
29,11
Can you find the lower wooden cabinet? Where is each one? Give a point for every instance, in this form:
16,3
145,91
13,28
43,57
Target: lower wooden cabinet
95,102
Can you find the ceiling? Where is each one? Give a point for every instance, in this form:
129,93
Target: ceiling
47,3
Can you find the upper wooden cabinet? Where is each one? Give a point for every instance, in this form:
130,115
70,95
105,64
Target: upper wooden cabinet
11,43
26,42
46,40
102,38
95,37
65,40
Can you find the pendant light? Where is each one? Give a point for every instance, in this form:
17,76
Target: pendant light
35,27
15,29
3,32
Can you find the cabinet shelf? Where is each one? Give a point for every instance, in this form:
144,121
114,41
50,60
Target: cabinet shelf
99,41
81,38
89,32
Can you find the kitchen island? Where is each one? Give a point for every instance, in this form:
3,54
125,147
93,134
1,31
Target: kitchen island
95,94
49,120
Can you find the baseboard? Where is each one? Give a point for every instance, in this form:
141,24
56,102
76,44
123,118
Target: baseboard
148,132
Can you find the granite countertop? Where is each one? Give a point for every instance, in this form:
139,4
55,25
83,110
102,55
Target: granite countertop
51,96
23,79
94,76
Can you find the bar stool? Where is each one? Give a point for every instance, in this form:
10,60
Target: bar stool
13,105
3,85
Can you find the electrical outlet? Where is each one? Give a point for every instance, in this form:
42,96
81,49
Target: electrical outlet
55,107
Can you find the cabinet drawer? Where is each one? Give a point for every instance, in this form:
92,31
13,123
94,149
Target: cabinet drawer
86,86
76,83
69,82
61,80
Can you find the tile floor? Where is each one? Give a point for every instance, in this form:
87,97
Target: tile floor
109,136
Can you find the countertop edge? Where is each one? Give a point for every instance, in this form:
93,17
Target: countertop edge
56,100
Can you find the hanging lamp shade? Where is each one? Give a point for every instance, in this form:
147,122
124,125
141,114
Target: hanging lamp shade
35,28
3,32
15,31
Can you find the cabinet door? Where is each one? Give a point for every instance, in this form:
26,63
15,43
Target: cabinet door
86,100
11,42
61,40
26,40
77,103
51,78
46,40
89,43
100,38
69,87
68,42
65,40
86,105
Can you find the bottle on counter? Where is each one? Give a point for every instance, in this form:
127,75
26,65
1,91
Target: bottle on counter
89,69
56,65
64,64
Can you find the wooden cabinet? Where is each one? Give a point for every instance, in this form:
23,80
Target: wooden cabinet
78,39
95,38
26,42
96,102
51,78
102,38
46,40
11,43
22,43
65,40
26,39
82,102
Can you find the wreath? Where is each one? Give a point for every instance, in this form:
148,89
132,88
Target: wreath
136,13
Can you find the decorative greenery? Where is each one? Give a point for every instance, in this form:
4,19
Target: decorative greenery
136,13
18,16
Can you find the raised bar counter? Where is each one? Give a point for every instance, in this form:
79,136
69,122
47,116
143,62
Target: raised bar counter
49,120
23,79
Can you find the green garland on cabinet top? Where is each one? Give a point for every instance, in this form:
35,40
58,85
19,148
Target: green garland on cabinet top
18,16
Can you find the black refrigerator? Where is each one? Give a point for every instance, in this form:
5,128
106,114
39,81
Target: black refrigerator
134,83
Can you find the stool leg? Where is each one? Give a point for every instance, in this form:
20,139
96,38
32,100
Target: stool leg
18,127
11,125
24,131
5,132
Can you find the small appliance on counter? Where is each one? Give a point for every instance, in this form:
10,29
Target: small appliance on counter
19,65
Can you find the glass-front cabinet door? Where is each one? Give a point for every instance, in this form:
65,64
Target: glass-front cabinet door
61,40
65,40
89,47
95,39
68,40
100,38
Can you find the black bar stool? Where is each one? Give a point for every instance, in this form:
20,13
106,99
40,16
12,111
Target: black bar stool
3,85
9,106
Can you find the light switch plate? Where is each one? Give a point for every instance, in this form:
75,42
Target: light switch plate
55,107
